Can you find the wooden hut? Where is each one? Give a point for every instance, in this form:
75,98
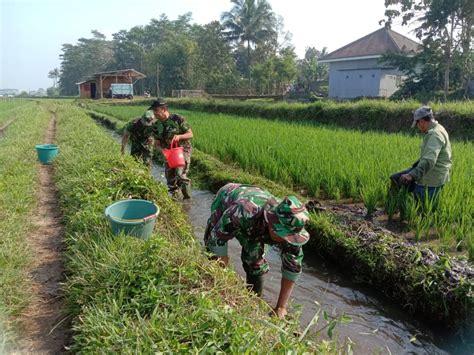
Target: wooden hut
97,86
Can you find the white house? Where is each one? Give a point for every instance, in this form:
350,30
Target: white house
355,71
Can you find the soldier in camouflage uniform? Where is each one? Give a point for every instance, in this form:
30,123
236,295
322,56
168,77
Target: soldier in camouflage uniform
171,128
140,133
255,217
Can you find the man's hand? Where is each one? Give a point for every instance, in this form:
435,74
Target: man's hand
406,179
175,138
280,312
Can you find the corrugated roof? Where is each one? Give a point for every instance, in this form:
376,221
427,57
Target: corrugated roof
373,45
122,71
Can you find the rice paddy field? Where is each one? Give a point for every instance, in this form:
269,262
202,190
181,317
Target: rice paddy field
335,164
124,295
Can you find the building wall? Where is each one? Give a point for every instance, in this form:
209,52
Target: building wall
366,77
85,90
389,83
106,83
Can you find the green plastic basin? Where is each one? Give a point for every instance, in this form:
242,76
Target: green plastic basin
133,217
46,152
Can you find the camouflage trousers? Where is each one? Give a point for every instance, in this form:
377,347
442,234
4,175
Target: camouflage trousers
252,255
142,154
178,178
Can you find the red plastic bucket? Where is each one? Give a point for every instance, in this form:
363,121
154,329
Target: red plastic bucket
174,156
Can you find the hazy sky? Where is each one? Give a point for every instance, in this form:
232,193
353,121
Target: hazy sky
33,31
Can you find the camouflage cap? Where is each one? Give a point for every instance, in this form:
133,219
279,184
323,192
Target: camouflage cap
148,117
287,220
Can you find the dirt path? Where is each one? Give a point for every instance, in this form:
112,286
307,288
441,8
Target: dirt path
44,326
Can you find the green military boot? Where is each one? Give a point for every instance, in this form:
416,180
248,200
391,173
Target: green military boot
255,284
186,190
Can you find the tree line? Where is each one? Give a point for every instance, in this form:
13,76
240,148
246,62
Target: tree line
247,52
445,64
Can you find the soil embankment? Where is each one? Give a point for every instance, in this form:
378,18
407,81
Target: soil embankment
45,329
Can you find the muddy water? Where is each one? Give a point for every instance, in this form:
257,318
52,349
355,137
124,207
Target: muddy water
377,326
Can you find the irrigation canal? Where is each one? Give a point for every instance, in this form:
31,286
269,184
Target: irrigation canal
377,327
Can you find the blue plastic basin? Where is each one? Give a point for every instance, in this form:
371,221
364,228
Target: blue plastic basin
46,152
132,217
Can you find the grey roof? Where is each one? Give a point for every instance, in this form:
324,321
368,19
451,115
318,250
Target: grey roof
374,44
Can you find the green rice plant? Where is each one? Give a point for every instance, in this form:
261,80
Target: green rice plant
470,244
386,116
370,196
444,230
391,202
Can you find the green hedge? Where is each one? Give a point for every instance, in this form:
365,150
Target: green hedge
387,116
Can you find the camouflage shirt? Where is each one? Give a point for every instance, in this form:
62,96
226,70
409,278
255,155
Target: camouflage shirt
238,211
164,131
140,133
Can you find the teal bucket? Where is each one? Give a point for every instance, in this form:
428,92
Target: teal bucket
132,217
46,152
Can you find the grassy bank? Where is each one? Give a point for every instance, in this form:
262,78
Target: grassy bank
18,187
10,110
133,296
438,287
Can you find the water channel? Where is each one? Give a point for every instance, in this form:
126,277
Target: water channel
377,327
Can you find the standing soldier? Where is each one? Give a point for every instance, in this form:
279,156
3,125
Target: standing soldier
140,133
255,217
168,129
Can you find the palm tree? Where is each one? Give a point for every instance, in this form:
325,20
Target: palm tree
250,22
